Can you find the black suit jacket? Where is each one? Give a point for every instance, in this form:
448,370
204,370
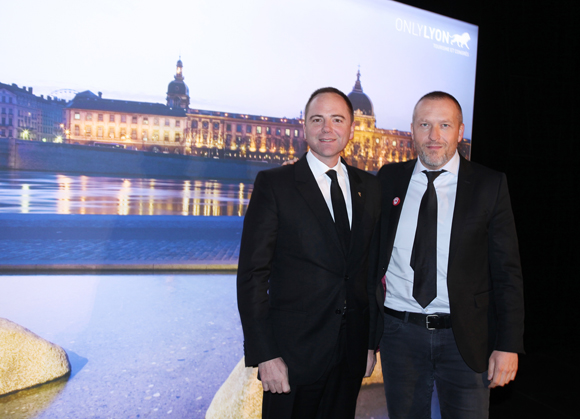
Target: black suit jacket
483,275
294,277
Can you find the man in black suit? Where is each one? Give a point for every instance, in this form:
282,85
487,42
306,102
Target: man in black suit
303,282
448,249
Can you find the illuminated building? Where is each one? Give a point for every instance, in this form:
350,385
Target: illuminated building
175,128
92,120
373,147
29,117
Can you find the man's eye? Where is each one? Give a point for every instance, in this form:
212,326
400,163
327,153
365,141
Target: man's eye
338,120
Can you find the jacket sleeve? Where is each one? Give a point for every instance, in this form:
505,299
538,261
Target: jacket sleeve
254,268
506,274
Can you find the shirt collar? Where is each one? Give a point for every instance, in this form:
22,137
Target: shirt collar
319,169
452,166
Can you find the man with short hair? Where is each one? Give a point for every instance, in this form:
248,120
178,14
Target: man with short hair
307,306
454,293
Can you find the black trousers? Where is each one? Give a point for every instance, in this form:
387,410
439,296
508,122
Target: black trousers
333,396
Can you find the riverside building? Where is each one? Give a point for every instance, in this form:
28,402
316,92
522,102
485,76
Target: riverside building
26,116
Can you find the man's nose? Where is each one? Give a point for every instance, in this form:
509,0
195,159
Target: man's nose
327,126
435,133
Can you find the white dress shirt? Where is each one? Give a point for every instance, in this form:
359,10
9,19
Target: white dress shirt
399,276
319,170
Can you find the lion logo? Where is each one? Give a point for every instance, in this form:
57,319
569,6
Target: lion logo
461,40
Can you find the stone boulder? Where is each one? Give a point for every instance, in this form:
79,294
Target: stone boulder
26,359
240,396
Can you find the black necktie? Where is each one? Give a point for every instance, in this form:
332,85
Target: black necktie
424,254
339,207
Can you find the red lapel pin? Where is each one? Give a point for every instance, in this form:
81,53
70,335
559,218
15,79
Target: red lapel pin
396,201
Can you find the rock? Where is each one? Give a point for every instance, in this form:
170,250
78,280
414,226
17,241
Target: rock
240,396
26,359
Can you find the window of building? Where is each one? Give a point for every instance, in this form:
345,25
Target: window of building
123,119
145,135
248,129
111,132
123,133
287,132
205,125
77,130
258,130
100,117
145,121
296,133
111,118
229,127
166,122
3,111
133,119
268,130
100,132
88,130
278,131
155,135
238,128
394,143
77,115
133,134
166,135
177,137
89,116
216,125
155,121
194,124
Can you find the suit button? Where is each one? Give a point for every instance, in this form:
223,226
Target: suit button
337,311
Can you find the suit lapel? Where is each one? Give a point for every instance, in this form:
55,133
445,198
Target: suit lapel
462,200
401,184
308,188
358,198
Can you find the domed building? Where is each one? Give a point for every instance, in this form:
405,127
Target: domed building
372,147
360,102
177,90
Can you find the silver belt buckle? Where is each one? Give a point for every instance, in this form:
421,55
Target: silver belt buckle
427,321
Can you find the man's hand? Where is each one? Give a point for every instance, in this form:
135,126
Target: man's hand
274,375
371,362
287,162
502,368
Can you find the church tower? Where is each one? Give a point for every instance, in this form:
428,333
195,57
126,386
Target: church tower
177,91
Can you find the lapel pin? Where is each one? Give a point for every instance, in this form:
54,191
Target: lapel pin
359,194
396,201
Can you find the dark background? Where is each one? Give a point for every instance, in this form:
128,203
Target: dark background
527,124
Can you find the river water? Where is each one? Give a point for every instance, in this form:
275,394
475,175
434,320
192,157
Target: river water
24,192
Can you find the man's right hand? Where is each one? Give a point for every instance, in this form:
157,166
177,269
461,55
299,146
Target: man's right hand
274,376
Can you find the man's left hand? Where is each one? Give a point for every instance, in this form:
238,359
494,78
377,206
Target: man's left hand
502,368
371,362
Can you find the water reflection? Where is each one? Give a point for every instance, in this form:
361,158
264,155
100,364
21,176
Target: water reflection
51,193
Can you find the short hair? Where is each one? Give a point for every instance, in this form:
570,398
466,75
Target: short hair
330,90
437,95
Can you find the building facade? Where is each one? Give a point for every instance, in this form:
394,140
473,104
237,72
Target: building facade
176,128
28,117
92,120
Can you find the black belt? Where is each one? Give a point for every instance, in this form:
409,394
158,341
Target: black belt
430,321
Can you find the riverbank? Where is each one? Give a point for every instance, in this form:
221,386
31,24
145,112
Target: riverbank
56,243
